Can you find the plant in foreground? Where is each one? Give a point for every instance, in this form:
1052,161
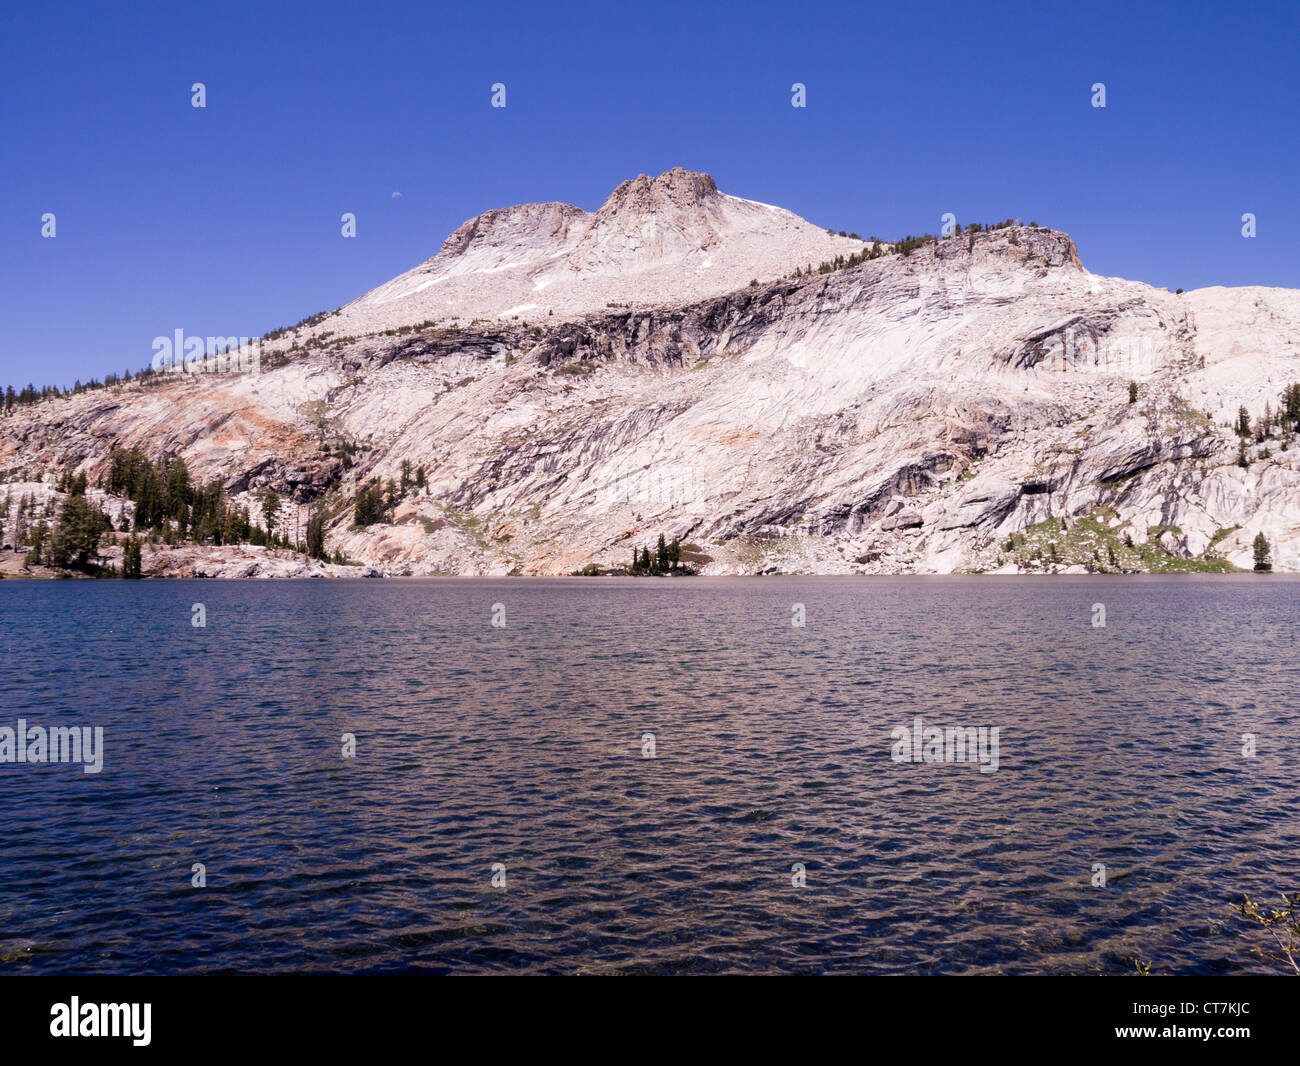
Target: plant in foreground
1282,925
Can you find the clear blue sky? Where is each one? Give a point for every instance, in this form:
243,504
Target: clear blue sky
225,220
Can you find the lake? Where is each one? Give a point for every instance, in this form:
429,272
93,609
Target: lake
649,775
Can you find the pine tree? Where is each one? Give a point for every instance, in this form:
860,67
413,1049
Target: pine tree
179,492
146,492
1261,548
369,507
76,533
316,534
131,568
1291,401
270,502
36,555
235,528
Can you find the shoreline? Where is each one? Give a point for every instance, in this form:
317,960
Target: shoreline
706,578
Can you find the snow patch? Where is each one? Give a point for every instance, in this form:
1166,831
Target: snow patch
756,203
498,269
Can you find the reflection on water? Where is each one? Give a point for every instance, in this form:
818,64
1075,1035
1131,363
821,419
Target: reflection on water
523,746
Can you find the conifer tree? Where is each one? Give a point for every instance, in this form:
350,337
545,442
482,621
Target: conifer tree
131,559
36,555
316,534
270,502
1261,550
75,537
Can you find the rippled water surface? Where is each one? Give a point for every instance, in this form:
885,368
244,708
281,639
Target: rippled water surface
522,745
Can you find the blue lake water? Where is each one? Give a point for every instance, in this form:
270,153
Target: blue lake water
522,745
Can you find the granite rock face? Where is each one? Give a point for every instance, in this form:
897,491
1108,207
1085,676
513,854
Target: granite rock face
964,406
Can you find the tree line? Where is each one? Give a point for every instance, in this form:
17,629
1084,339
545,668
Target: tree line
376,501
71,542
876,248
30,394
1281,422
667,559
169,504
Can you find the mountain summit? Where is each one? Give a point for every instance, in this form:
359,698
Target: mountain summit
654,241
670,220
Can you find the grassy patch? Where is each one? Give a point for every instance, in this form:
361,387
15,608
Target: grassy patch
1220,534
693,555
1091,542
431,525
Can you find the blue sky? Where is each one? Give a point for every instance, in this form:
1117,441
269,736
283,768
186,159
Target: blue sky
225,220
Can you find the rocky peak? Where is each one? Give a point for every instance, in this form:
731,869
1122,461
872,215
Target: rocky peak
1011,248
522,226
683,196
647,222
673,190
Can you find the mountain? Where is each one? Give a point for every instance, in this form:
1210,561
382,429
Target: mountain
575,384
